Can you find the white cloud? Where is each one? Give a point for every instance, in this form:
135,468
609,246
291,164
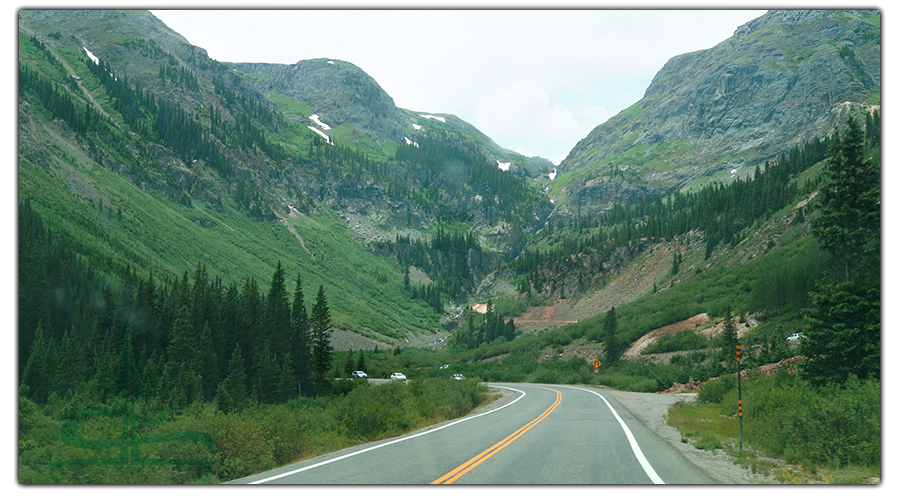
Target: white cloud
524,119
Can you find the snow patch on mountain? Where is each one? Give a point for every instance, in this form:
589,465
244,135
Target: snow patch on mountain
503,166
323,134
439,118
315,119
91,56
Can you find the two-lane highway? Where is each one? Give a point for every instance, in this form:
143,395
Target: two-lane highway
544,434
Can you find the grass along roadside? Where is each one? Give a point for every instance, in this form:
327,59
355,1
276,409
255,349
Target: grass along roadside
832,438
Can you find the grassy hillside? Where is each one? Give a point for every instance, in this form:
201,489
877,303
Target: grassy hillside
148,232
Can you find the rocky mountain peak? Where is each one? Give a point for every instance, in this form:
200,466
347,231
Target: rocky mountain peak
337,91
723,111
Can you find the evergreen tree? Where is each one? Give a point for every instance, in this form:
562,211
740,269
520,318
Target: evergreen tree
729,341
844,335
232,393
320,339
348,364
38,370
127,378
611,345
849,221
361,363
278,313
266,369
300,342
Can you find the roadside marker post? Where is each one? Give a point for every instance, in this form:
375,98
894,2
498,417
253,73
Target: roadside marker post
596,369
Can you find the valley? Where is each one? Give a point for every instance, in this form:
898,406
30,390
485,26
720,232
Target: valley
220,242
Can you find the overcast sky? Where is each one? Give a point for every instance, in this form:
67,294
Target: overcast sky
535,81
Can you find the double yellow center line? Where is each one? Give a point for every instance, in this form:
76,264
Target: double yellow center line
476,461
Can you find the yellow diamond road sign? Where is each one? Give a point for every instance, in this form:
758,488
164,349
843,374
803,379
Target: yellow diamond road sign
596,363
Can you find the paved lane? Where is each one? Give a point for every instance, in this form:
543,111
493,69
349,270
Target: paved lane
544,434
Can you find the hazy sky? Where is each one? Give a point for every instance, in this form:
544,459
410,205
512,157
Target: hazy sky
534,80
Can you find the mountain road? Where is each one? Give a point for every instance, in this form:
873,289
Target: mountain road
537,434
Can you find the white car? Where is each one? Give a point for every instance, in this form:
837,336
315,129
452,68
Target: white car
397,376
358,374
797,336
458,376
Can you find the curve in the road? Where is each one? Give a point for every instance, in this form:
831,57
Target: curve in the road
460,471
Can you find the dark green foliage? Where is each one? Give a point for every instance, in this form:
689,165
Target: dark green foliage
844,335
791,419
300,341
684,340
848,224
720,211
611,345
484,328
728,342
320,342
232,395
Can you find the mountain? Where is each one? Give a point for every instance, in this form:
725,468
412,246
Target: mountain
144,150
152,157
781,80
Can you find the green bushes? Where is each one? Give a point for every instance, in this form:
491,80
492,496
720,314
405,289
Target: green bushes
836,425
236,444
787,418
685,340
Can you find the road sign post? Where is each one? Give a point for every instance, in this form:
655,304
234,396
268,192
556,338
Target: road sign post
596,370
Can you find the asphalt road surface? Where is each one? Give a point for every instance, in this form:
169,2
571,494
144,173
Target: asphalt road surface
543,434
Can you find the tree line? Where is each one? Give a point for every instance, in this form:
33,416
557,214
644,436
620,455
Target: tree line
86,332
722,212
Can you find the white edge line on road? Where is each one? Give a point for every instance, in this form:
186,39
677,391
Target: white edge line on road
382,445
631,440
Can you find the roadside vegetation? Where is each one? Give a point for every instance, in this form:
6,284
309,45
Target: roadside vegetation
223,372
202,444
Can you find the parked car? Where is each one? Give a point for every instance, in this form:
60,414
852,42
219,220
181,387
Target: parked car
358,374
397,376
458,376
445,367
797,336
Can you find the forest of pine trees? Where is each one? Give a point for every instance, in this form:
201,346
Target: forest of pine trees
722,212
93,333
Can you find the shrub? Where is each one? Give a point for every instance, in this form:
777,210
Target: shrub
715,391
684,340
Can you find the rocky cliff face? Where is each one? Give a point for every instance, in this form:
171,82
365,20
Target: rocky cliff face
337,91
780,81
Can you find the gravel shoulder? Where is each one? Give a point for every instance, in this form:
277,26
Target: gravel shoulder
651,410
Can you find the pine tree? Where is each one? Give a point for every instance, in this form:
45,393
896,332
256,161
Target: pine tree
844,335
300,343
849,221
320,338
232,393
611,345
361,363
127,378
348,363
278,313
38,370
729,341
